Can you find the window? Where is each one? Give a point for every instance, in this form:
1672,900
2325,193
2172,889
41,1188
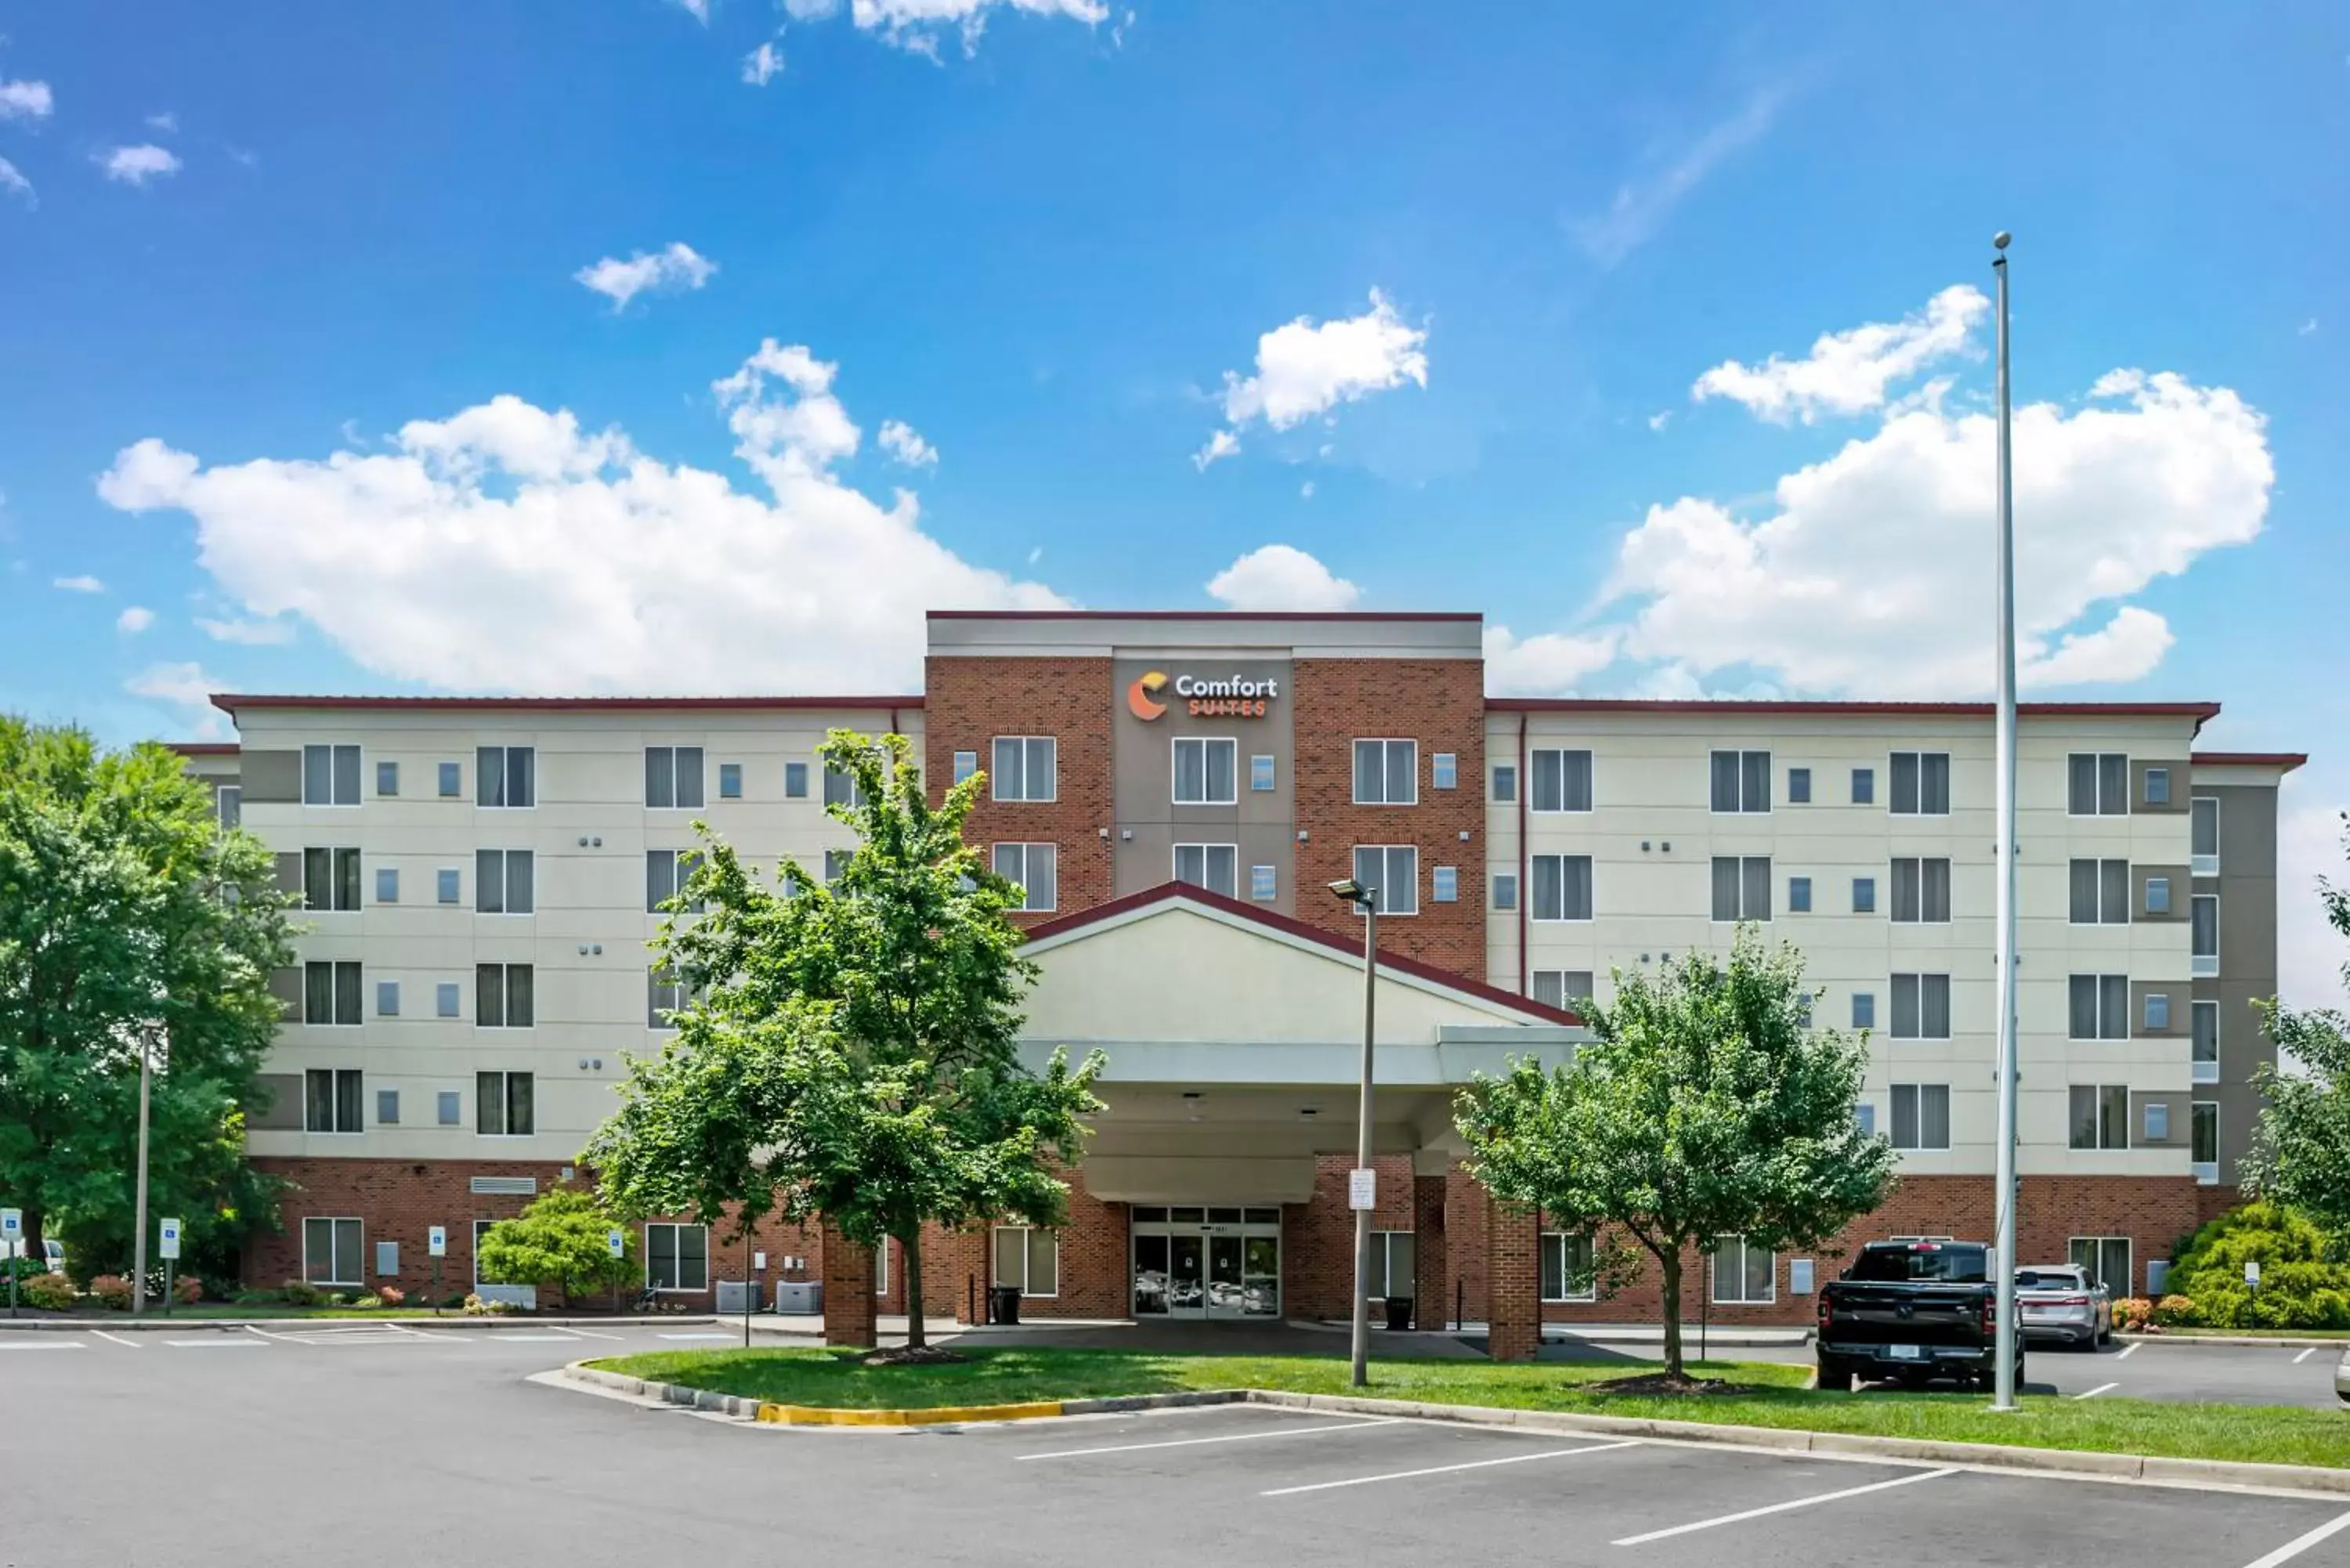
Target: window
1921,1117
1260,772
1260,882
502,995
1562,988
2204,1018
444,885
1444,771
2158,786
1215,867
1864,1116
677,1257
1444,885
2097,784
2203,1135
2100,1007
1027,1257
1864,1010
842,788
387,885
502,1105
1505,782
2203,835
1561,781
674,778
387,999
1026,768
1864,787
387,778
965,765
445,999
1921,1007
2203,945
1921,891
1742,1276
1562,888
387,1108
667,872
1863,895
1393,871
1387,773
2158,895
2100,1116
450,783
836,865
330,1100
2105,1258
730,781
1391,1265
881,1268
502,882
796,775
1921,784
330,993
1033,866
1742,887
2158,1121
1203,770
2100,892
1799,894
506,776
228,807
1799,787
1741,781
665,996
330,775
2158,1010
330,1251
1567,1268
1505,890
446,1104
331,878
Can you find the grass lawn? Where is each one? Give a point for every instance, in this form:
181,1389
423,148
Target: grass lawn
1776,1397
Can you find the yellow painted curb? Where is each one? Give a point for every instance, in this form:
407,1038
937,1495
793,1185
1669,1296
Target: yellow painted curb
818,1416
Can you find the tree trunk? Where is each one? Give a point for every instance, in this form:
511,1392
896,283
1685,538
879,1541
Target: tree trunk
910,1245
1669,1264
32,1242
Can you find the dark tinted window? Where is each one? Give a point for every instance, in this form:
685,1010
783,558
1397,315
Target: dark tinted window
1957,1265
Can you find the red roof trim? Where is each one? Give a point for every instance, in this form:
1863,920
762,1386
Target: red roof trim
1206,614
231,701
2288,761
204,748
1171,892
2199,712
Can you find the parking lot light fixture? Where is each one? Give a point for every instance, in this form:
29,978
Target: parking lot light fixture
1365,901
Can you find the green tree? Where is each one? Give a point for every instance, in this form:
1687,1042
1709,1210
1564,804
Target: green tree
2301,1154
853,1055
2300,1288
562,1236
1706,1106
126,913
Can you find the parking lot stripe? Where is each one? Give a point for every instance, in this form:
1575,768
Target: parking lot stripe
2294,1548
2100,1388
2127,1351
726,1336
1784,1507
1221,1437
2304,1355
43,1344
118,1339
591,1333
209,1341
1447,1470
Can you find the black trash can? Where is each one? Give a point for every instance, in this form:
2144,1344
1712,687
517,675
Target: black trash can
1398,1312
1004,1303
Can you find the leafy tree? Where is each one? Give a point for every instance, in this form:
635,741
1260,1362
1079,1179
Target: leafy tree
2300,1288
2301,1154
126,912
853,1057
563,1236
1706,1106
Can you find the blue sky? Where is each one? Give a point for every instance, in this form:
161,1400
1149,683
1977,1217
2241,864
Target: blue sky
1660,341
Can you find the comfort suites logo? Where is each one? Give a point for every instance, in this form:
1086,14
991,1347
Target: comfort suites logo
1229,697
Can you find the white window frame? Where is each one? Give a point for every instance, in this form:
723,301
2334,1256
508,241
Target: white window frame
1175,744
1265,773
1892,785
1713,1275
1893,1007
2101,977
2204,865
359,1253
358,772
334,1096
2205,1071
1027,795
1742,809
1175,863
506,1102
1561,918
505,994
505,880
1949,878
1444,770
2130,1270
1591,769
2102,1146
681,1227
1389,910
1742,915
1444,884
1545,984
881,1267
2202,966
331,893
1502,790
1502,887
505,777
335,993
701,778
228,807
1355,781
1265,884
1027,1235
2206,1171
1558,1240
2117,916
1918,1118
1383,1263
2099,804
1028,905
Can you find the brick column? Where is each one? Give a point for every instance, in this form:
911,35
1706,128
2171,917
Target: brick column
849,1305
1431,1280
1512,1313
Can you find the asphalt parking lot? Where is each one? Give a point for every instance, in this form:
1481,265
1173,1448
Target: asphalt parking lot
434,1445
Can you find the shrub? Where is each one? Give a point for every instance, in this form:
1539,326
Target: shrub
301,1294
2130,1313
2298,1287
257,1298
368,1303
23,1268
187,1290
338,1298
2176,1311
111,1290
50,1293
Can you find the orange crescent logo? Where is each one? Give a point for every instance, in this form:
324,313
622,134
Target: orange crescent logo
1139,696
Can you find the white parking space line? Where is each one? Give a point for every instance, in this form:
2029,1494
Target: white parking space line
1221,1437
531,1339
2127,1351
592,1334
43,1344
2100,1388
1449,1470
209,1342
2304,1355
2294,1548
728,1336
1784,1507
118,1339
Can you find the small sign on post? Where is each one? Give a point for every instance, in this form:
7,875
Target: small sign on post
12,1232
436,1242
2252,1274
617,1242
1362,1190
170,1233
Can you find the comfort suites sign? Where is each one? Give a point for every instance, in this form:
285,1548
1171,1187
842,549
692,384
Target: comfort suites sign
1202,696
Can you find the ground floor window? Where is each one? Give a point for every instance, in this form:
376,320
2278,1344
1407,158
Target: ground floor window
1029,1258
1744,1275
1391,1265
481,1228
1193,1260
677,1257
330,1252
1567,1268
881,1267
2106,1259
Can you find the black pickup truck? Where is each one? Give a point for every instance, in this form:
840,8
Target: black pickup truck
1913,1312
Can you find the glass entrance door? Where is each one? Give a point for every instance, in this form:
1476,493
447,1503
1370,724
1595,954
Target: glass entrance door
1198,1262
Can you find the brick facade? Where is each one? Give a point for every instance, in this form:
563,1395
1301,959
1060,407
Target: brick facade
1317,1239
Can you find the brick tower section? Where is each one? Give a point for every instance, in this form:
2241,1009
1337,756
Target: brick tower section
1430,1266
1441,703
849,1304
1512,1283
969,700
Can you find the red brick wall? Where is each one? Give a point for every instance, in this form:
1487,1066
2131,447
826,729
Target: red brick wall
1441,703
968,701
1512,1314
1431,1265
1317,1239
849,1307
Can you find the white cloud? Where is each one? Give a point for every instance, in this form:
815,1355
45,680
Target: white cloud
698,9
810,10
1282,578
1849,372
905,444
2310,952
507,549
12,179
915,25
251,633
1036,553
1305,368
762,65
25,100
1305,491
167,122
186,688
1660,419
2308,327
1550,663
137,165
85,584
678,267
134,621
1641,205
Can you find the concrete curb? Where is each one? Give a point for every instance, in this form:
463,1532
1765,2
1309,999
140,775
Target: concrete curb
146,1323
746,1409
2277,1342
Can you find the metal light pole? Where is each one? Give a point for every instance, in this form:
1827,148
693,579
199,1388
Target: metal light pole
1366,901
2003,1252
138,1242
